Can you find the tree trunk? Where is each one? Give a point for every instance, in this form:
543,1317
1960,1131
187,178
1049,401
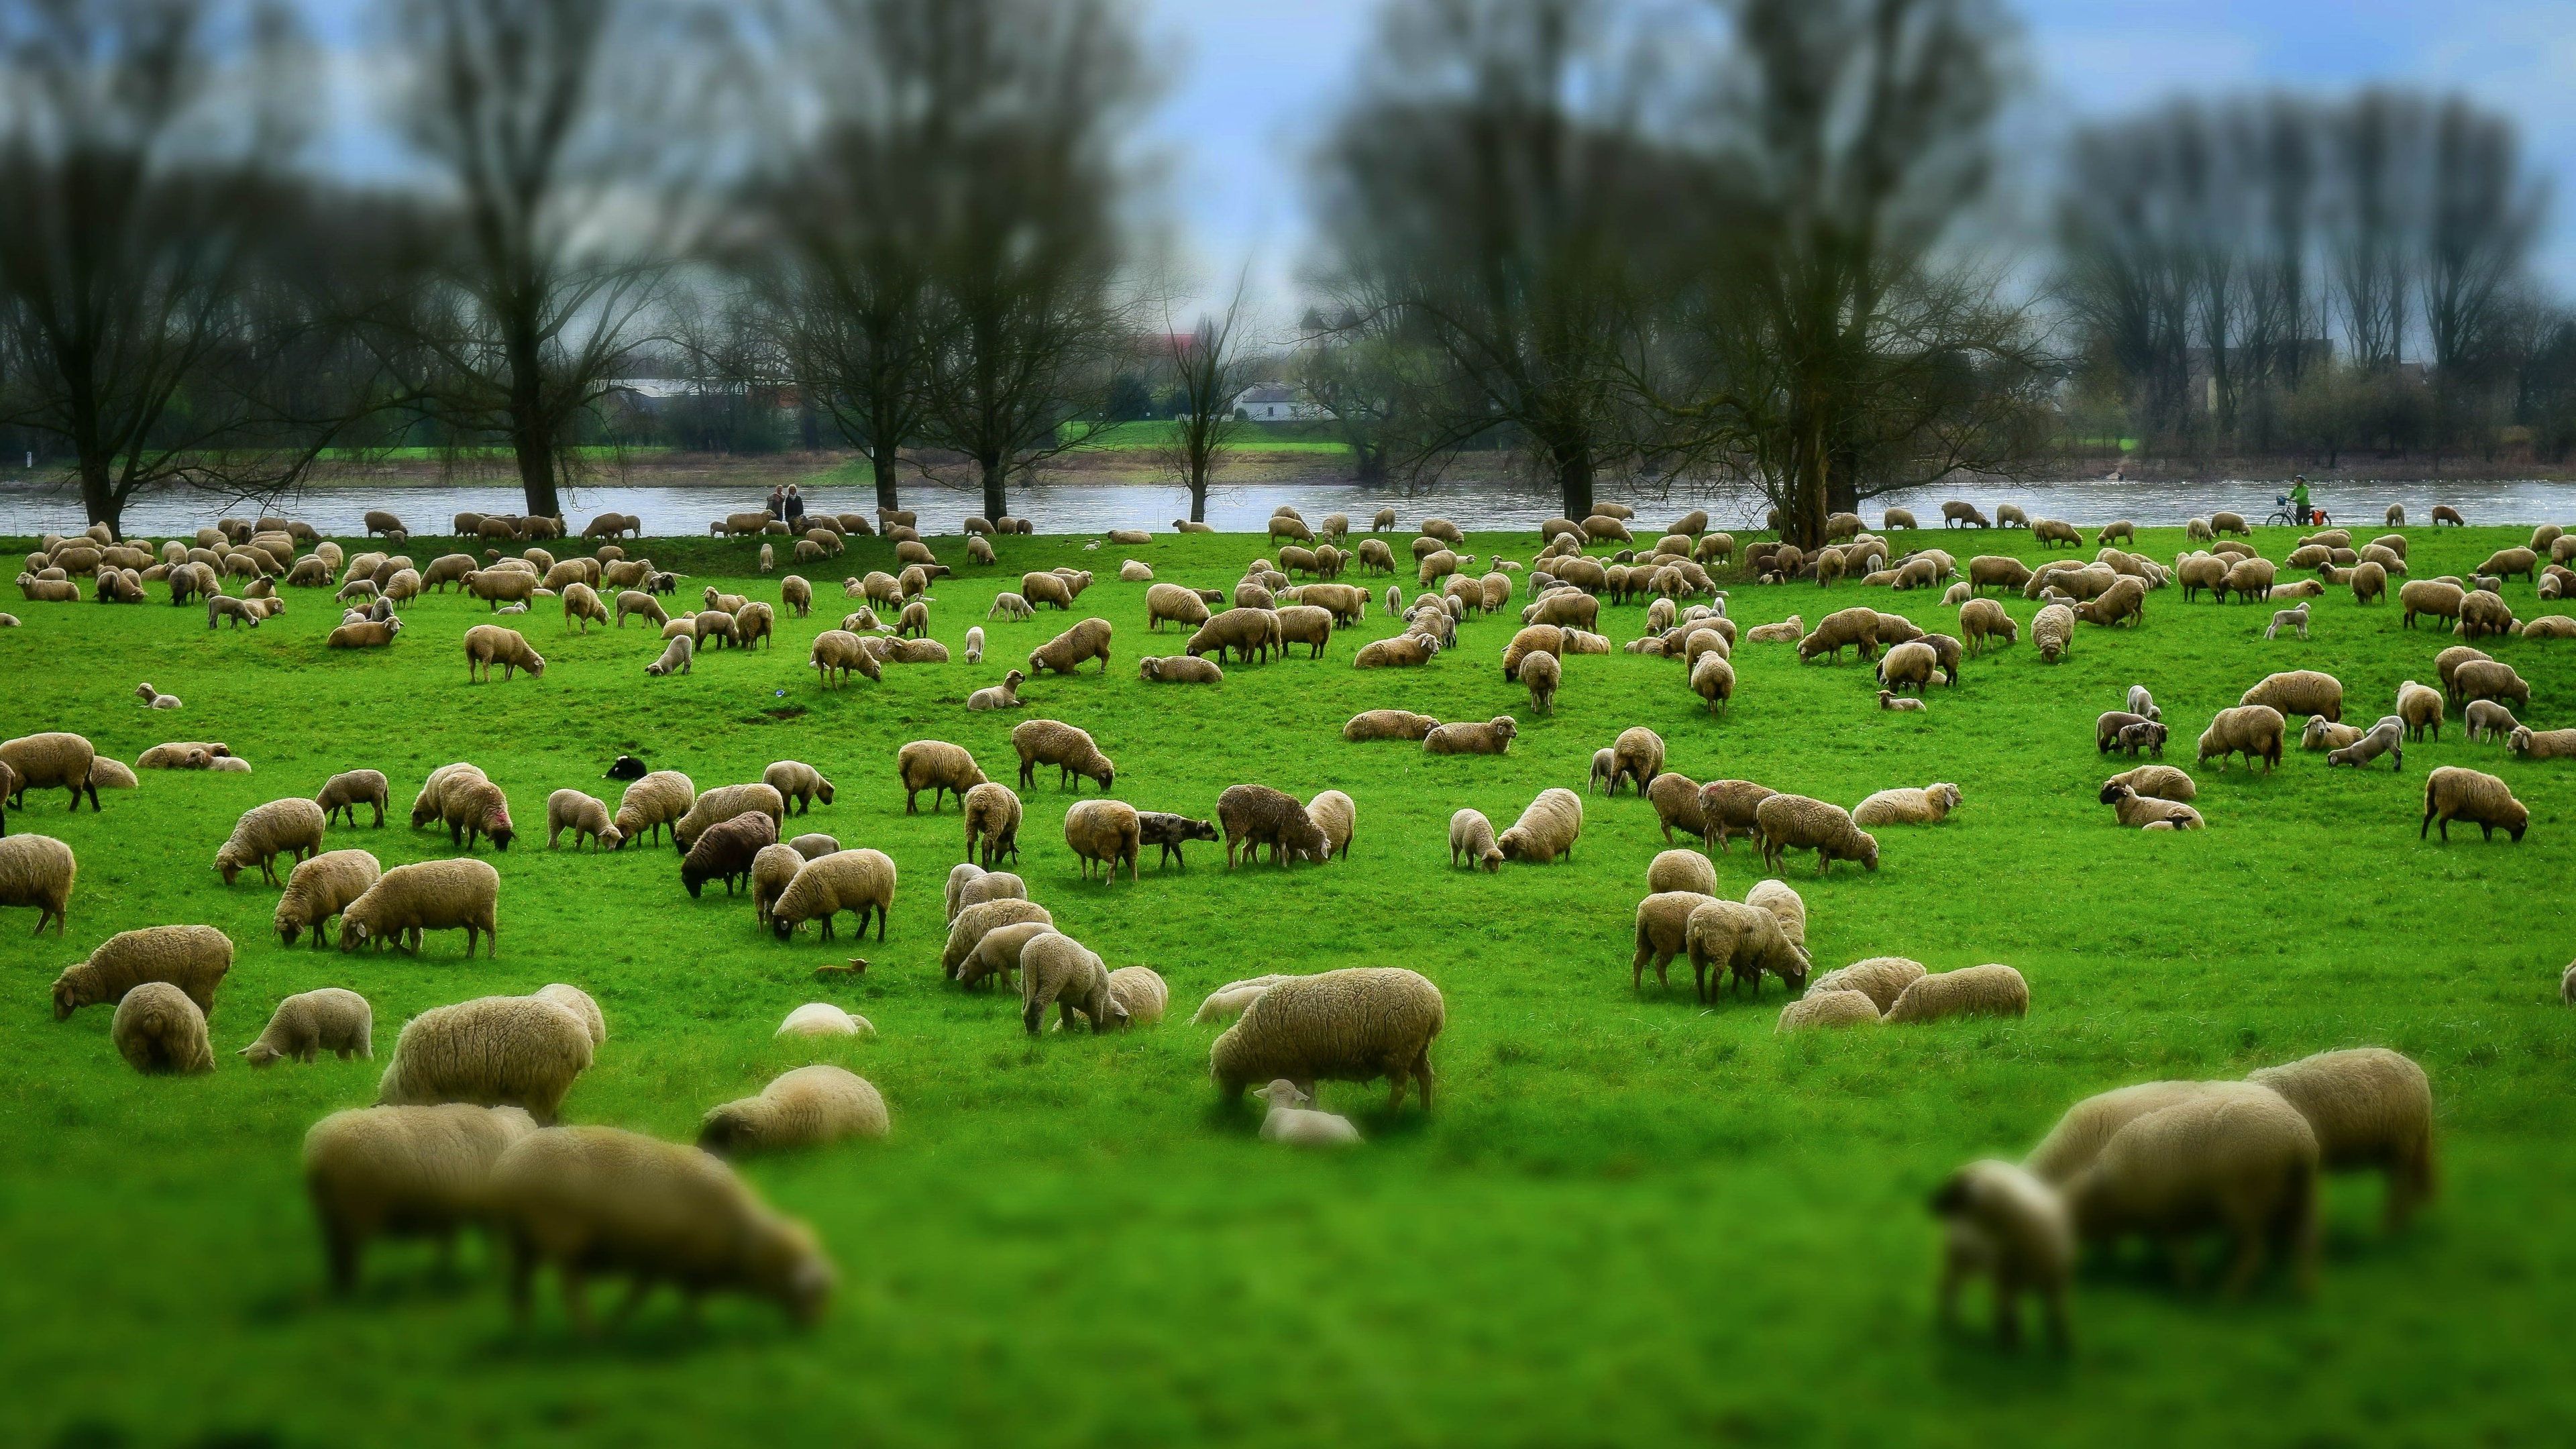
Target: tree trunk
537,474
1574,480
997,501
1371,463
98,493
1198,492
883,456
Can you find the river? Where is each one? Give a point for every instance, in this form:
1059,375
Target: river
1078,506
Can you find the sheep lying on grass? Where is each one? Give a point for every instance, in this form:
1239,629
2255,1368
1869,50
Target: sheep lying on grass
807,1107
1289,1119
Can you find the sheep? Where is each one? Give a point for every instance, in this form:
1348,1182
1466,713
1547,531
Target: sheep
433,895
1005,695
797,781
2489,720
1010,606
1797,822
306,1025
1256,815
1881,979
2384,738
1058,971
571,1198
2431,597
159,1031
822,1018
973,923
1973,991
321,888
2369,1108
2001,1222
991,814
2323,734
1927,806
1471,838
2119,729
1179,669
1352,1025
2243,1160
350,789
1663,932
495,1051
583,815
996,954
407,1170
658,799
1103,831
2453,793
37,870
293,828
851,880
1681,870
773,869
2052,630
49,760
2255,731
2136,809
2490,679
2529,744
490,644
476,809
1546,830
1493,737
1745,941
1336,815
807,1107
724,851
1823,1010
430,805
1729,807
839,651
1290,1121
1068,748
1140,995
724,803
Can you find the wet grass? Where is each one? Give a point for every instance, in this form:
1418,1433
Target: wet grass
1631,1218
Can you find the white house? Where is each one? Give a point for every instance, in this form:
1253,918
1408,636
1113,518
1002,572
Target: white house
1273,402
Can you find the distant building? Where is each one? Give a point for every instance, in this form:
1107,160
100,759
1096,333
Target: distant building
1273,402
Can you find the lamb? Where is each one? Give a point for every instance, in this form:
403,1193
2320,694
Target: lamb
658,799
2490,721
1471,838
1882,979
2294,619
2255,731
1796,822
2323,734
2242,1160
181,755
1928,806
292,828
321,888
306,1025
350,789
807,1107
1103,830
1010,606
2052,630
159,1031
1066,652
474,809
1058,971
594,1198
997,954
1256,815
1351,1025
583,815
2529,744
2453,793
723,803
1493,737
409,1170
495,1051
851,880
2384,738
1546,830
2000,1222
992,818
973,923
2139,811
47,761
432,895
1290,1121
798,781
1681,870
2370,1108
1745,941
724,851
490,644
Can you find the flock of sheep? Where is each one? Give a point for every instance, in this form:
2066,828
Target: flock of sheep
464,1130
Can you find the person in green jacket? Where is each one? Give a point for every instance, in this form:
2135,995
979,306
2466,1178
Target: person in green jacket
2299,499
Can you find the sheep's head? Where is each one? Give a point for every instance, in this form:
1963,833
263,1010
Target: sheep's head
260,1053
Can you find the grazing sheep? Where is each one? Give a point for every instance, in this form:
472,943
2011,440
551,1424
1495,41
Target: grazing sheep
433,895
1663,932
1797,822
1010,606
2002,1223
1745,941
1056,970
1140,995
660,798
991,814
1256,815
194,959
292,828
473,810
822,1018
490,644
2077,1139
1336,815
415,1171
1493,737
350,789
306,1025
1676,799
2490,721
2384,738
807,1107
2421,710
2255,731
160,1032
975,922
579,1199
1974,991
2052,630
1352,1025
1471,839
996,954
936,766
49,760
495,1051
1927,806
1246,631
1170,832
2453,793
321,888
1546,830
1882,979
2242,1160
2370,1108
582,815
2430,597
1825,1010
2490,679
851,880
1104,831
773,869
725,850
1068,748
798,781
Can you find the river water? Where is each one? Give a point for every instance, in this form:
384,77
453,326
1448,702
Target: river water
1077,506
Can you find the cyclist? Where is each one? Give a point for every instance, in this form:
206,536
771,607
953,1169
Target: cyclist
2299,499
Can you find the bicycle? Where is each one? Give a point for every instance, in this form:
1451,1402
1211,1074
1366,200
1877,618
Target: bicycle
2284,516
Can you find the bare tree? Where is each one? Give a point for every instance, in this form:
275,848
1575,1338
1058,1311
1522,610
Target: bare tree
542,271
2374,165
1211,364
142,155
1485,193
1024,180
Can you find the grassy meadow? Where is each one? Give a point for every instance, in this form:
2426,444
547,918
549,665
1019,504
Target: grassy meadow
1630,1219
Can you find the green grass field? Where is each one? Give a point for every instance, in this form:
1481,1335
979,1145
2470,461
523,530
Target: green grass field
1631,1219
1250,437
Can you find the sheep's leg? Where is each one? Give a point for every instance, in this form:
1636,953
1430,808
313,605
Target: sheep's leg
576,1298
